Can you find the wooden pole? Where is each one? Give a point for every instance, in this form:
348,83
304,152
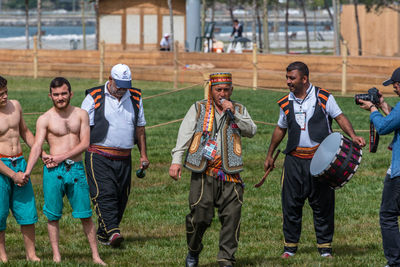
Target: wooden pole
35,57
101,47
255,73
344,67
176,64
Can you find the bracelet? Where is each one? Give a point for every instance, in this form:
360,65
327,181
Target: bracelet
371,107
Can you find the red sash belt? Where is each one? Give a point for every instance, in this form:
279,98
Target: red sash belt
6,156
110,152
304,152
214,169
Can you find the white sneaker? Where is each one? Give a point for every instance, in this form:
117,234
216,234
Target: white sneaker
287,255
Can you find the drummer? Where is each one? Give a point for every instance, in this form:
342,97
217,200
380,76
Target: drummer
307,113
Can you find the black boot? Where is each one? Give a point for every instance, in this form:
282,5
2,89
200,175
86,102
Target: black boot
192,260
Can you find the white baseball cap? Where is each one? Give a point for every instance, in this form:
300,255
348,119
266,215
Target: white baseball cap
166,35
121,74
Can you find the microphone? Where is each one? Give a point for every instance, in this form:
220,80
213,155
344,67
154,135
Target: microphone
141,173
228,111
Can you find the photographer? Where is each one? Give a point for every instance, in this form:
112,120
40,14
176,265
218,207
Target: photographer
390,205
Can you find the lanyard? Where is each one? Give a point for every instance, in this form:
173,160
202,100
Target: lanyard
302,101
222,121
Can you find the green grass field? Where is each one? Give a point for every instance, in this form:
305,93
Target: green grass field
153,224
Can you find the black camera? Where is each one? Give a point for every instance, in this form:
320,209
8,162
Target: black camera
372,96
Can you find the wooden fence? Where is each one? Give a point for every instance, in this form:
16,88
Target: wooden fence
325,70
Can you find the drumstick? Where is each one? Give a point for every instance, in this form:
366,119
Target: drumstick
268,171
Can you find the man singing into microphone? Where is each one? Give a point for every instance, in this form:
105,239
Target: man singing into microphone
212,139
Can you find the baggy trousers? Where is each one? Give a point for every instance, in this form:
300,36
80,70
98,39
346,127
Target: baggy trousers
297,186
109,185
207,192
389,220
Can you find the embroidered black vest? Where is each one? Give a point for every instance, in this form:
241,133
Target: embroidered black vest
99,130
319,125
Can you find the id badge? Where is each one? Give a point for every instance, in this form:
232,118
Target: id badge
301,119
210,149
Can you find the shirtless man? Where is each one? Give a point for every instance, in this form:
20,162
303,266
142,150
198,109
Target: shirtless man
16,190
66,129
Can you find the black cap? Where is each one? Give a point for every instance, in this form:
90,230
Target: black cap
395,78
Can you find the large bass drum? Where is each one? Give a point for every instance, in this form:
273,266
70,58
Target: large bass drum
336,160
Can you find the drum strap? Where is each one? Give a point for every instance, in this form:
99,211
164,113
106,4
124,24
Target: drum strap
373,138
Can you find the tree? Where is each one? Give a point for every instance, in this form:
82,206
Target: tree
254,21
303,7
265,27
287,27
203,17
358,27
39,23
377,5
259,27
83,24
27,23
96,13
326,6
171,18
230,8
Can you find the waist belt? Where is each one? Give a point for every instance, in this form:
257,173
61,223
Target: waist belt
110,152
214,169
304,152
15,156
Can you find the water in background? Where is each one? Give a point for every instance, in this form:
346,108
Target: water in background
53,37
70,37
16,31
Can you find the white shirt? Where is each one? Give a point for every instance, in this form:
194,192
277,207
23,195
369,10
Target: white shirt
120,116
308,106
165,42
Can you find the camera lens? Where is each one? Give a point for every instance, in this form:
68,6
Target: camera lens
365,97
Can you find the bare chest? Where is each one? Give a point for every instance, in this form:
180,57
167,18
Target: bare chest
61,127
9,122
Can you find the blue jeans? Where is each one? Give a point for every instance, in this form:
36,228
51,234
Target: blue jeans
388,216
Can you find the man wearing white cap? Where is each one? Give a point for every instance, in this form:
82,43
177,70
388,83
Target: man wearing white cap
117,123
165,44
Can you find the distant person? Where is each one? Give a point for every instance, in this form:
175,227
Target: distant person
165,43
237,29
16,189
211,134
66,129
117,123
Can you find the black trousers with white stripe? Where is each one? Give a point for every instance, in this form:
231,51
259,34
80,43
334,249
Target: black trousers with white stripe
297,186
109,185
